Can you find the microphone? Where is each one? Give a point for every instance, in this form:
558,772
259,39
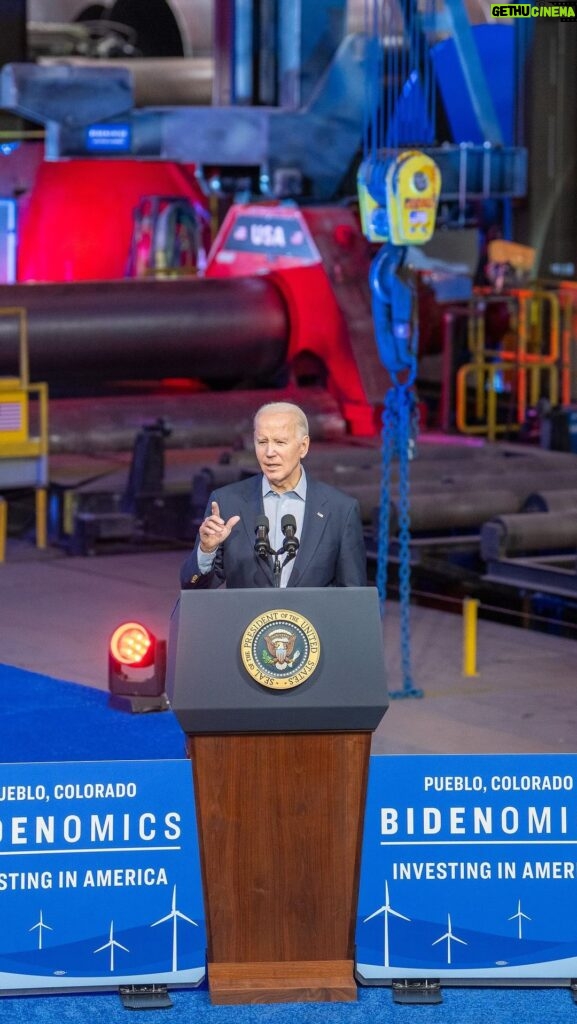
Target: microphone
261,545
288,525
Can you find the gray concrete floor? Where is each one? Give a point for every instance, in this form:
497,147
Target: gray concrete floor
57,614
522,700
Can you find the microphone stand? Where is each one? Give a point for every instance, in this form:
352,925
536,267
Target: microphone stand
264,550
277,568
290,552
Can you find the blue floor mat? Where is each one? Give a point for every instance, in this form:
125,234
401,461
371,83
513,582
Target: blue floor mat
44,719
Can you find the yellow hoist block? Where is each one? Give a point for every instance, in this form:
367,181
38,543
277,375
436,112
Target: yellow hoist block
413,184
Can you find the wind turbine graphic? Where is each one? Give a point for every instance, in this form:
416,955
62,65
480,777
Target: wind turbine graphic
111,945
173,916
519,916
448,936
386,909
40,926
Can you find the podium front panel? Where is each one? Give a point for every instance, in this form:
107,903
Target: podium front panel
218,682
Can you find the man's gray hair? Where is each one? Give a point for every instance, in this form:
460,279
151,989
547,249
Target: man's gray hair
286,408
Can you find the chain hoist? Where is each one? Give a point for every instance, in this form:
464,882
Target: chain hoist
398,195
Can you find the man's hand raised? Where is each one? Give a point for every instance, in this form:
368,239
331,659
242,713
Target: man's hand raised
213,530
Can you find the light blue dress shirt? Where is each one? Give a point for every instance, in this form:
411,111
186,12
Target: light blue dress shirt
278,505
275,507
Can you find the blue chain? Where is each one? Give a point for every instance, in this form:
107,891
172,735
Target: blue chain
397,439
397,335
388,435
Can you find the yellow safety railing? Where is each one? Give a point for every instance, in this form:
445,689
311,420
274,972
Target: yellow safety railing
538,332
568,301
20,441
484,377
527,364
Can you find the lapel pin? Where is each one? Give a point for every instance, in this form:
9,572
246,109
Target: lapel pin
321,515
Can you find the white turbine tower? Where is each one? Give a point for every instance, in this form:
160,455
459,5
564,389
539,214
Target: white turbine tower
519,917
112,944
386,909
40,926
173,916
448,936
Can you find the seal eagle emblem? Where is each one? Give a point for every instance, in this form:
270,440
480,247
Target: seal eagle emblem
280,645
280,649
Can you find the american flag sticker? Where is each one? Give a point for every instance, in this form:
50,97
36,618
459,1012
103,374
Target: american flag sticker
11,416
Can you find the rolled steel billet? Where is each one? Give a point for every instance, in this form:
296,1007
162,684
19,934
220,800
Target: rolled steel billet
522,484
551,501
461,510
525,533
220,331
525,463
195,420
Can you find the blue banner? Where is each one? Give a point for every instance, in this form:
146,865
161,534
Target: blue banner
99,875
469,868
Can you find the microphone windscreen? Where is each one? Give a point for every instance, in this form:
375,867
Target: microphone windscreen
262,521
287,521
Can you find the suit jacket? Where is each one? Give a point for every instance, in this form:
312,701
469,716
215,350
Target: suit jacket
331,551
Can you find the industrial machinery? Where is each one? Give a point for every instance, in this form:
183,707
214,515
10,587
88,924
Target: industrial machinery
281,305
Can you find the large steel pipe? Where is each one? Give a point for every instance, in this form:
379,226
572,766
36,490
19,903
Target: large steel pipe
106,424
459,510
220,331
551,501
507,536
522,484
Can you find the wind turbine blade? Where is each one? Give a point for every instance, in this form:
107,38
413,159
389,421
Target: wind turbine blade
183,917
106,945
120,946
381,910
445,936
396,913
161,920
462,941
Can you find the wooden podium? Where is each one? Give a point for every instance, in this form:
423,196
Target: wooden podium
280,771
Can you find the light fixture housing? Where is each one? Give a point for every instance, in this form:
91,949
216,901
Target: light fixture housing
136,669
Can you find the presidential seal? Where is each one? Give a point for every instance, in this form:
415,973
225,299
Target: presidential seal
280,649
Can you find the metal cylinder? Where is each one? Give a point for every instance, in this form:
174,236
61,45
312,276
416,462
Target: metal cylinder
460,510
229,331
204,419
507,536
551,501
522,485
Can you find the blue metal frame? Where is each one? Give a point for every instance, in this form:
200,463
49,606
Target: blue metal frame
473,72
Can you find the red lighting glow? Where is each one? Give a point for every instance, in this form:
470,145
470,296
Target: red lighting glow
132,644
79,222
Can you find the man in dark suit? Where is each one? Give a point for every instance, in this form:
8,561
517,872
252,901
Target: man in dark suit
331,550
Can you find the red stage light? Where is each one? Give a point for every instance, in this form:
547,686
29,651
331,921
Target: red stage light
132,644
136,669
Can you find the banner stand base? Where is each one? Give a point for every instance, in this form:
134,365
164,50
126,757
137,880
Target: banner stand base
419,990
145,997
